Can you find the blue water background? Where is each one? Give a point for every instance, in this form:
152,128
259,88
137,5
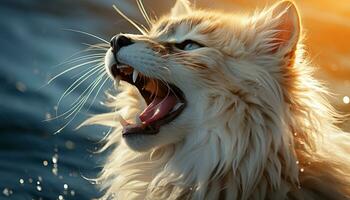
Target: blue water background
34,162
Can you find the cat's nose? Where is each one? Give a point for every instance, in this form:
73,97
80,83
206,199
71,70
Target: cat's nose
119,41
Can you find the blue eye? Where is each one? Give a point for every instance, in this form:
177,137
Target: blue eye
192,46
188,45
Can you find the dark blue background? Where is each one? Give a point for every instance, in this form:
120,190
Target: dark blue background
32,42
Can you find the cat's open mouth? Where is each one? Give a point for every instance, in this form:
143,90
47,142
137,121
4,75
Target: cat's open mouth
164,101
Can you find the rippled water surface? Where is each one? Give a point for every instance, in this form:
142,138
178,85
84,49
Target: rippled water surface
35,163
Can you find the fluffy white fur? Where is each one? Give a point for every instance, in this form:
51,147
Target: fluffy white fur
257,124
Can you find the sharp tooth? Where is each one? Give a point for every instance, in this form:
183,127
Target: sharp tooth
177,106
134,75
116,81
122,66
122,121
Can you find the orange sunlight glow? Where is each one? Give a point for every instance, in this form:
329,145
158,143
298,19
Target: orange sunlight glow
326,25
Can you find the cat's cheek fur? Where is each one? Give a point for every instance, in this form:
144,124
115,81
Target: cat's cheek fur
257,124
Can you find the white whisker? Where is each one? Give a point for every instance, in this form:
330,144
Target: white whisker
72,68
99,89
85,71
97,47
144,32
82,102
77,104
79,99
82,58
78,82
89,34
100,72
71,58
143,12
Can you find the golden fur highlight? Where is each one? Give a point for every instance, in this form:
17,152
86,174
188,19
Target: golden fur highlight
264,128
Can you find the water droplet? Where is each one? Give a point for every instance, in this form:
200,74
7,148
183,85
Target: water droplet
69,145
30,180
38,182
21,87
60,197
55,158
65,186
7,192
40,178
55,166
45,163
38,187
301,169
55,171
346,99
297,162
48,116
72,192
21,181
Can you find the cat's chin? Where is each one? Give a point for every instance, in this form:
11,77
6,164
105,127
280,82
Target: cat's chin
141,143
168,134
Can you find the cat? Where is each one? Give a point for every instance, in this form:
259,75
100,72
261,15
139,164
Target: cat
213,105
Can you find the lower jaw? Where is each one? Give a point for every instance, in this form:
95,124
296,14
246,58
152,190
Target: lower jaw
153,117
153,128
141,143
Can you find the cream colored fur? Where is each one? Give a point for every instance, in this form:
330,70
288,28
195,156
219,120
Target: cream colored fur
257,124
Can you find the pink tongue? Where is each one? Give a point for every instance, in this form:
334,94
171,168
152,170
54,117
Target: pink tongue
157,109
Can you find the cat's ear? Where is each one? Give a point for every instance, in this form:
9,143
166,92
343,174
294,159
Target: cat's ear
279,29
181,7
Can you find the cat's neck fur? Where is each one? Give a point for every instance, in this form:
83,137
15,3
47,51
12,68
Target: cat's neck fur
217,161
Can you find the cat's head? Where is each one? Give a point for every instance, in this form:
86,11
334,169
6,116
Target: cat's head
199,69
